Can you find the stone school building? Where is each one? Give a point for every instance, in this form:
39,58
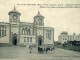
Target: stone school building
23,33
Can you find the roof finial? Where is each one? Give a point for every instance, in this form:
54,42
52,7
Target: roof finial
14,7
38,11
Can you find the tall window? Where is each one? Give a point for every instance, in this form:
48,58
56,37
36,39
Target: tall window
0,30
48,34
24,39
5,31
23,31
28,32
30,39
78,37
27,39
68,37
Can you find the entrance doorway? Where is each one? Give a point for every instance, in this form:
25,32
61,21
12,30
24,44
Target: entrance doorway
14,40
39,40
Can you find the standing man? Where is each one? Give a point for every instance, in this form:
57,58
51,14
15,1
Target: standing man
30,47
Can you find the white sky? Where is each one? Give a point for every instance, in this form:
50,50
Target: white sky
61,19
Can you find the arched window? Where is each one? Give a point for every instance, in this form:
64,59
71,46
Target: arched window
23,31
26,28
28,32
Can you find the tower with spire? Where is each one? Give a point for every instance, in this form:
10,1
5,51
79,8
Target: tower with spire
39,23
14,20
39,19
14,16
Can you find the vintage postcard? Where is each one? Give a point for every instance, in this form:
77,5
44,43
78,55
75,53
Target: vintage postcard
39,29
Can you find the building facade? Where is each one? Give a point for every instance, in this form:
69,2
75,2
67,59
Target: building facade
65,37
19,33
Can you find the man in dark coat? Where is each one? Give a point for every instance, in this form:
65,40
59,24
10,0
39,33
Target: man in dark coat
30,47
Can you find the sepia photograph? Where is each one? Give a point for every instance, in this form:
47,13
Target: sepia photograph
39,30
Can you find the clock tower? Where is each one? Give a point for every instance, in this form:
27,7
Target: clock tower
39,19
39,28
14,20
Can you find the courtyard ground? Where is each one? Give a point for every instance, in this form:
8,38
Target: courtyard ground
16,52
